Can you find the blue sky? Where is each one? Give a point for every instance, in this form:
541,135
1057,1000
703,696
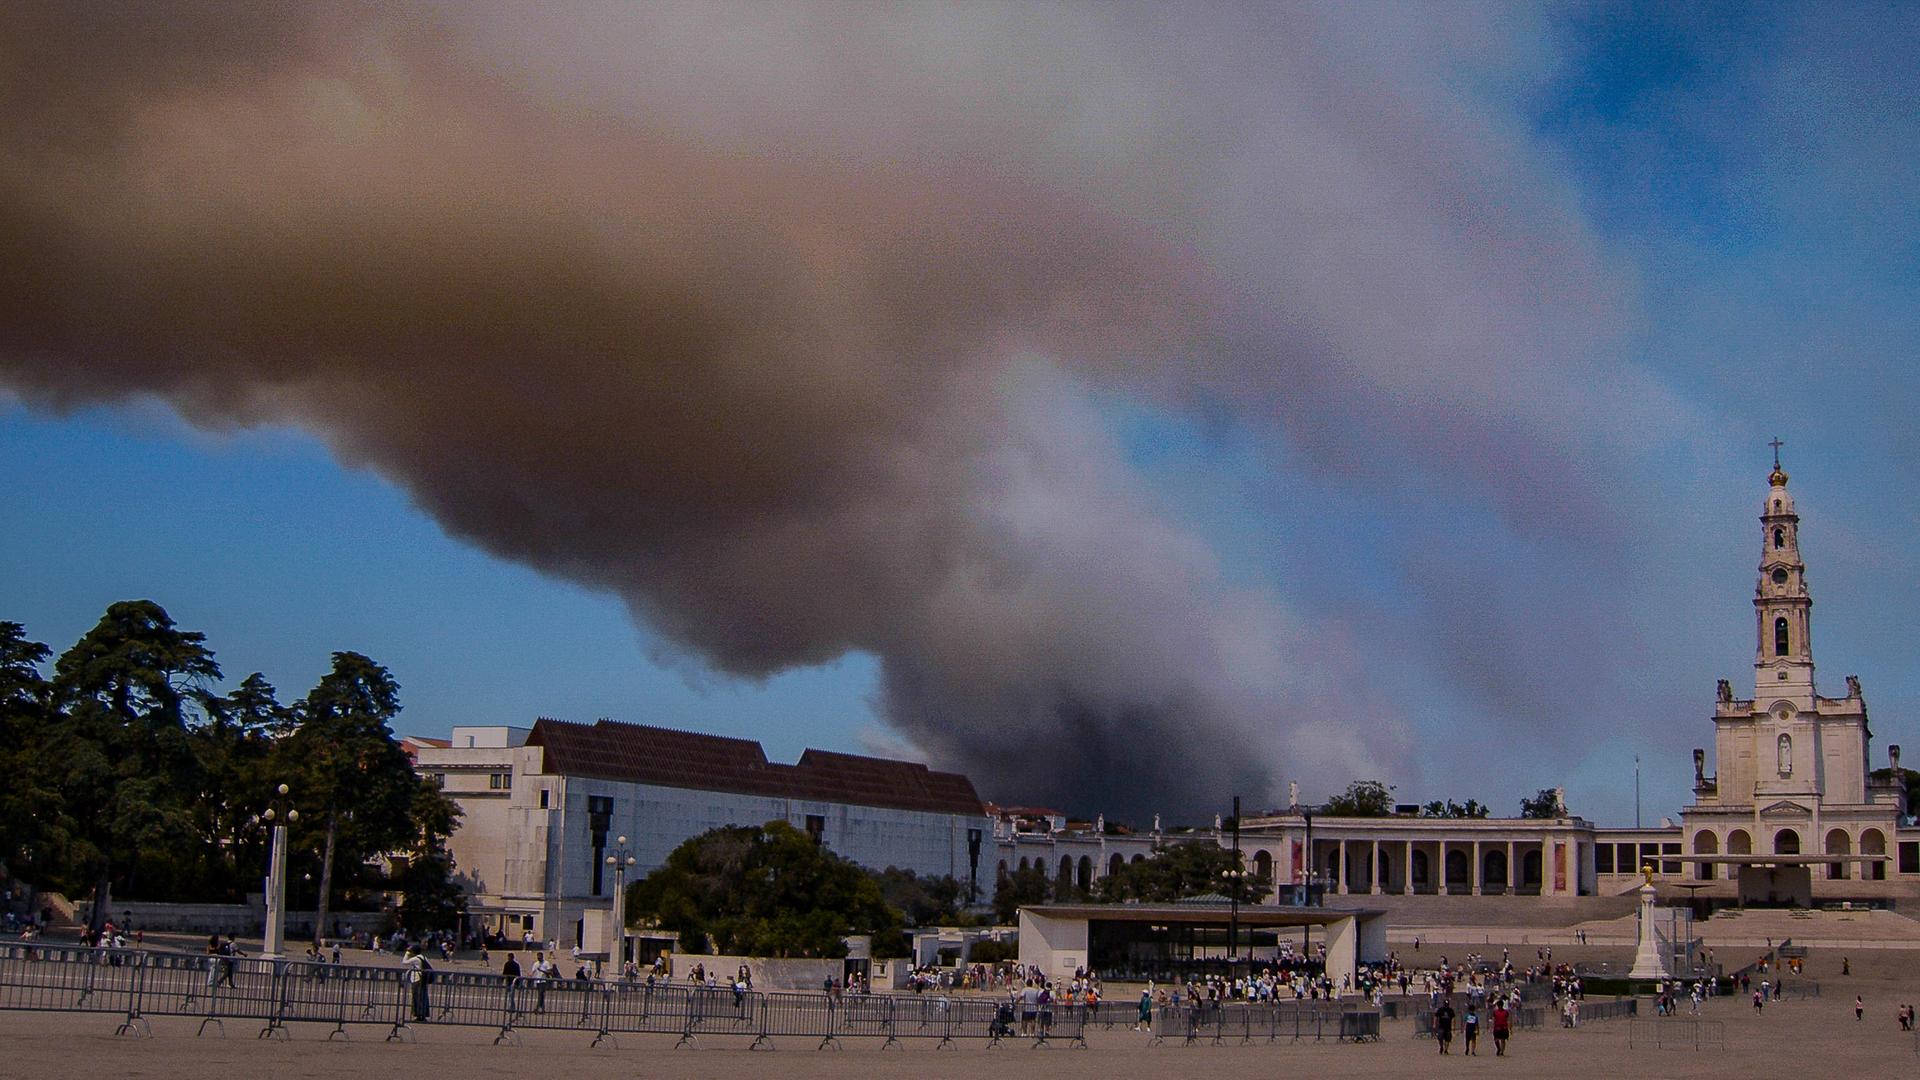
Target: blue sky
1542,285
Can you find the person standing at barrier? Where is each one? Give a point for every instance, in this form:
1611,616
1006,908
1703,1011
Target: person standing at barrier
543,970
1443,1026
1502,1028
419,974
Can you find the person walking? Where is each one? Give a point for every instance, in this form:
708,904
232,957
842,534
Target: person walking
1859,1007
1502,1027
1443,1026
1470,1028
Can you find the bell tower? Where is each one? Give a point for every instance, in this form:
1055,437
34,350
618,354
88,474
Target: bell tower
1782,608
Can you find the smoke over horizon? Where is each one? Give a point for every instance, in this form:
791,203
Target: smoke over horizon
790,329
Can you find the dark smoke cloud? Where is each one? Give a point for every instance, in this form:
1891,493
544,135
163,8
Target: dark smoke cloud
783,326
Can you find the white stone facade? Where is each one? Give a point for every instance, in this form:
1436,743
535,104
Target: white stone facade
532,846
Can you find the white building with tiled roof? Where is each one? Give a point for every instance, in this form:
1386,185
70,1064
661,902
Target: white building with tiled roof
544,807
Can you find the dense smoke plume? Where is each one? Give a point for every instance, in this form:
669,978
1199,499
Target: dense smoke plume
790,326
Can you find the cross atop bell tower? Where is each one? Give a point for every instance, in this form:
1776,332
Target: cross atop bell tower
1783,609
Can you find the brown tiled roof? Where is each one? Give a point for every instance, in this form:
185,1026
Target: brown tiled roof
645,754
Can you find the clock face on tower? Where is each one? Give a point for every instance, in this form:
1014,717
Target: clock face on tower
1779,576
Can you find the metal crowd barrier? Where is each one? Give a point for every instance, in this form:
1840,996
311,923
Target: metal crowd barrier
1295,1021
1676,1033
136,984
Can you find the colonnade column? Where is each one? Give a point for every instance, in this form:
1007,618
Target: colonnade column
1513,872
1440,871
1473,872
1343,869
1379,875
1406,879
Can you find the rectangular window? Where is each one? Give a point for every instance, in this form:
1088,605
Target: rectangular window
493,781
1629,859
1603,858
1909,857
506,781
543,798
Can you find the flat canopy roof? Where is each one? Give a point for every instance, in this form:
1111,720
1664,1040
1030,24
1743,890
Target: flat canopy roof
1260,914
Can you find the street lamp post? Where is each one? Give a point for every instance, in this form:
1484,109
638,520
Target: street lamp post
620,859
272,945
1233,874
1312,868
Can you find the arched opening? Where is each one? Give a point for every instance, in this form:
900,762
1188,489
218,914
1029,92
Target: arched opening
1705,843
1002,875
1114,864
1457,871
1025,865
1779,532
1493,872
1382,867
1873,842
1780,641
1065,880
1138,859
1421,872
1838,843
1784,754
1530,871
1263,867
1786,842
1085,880
1739,843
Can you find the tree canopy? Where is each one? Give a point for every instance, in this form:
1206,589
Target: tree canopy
1180,871
1363,798
131,774
763,891
1472,808
1545,804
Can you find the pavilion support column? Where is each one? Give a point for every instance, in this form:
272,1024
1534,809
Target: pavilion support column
1344,868
1406,875
1474,872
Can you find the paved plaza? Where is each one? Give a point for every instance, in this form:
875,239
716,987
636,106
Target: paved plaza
1735,1040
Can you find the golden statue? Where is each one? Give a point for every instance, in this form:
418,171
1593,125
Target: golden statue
1646,871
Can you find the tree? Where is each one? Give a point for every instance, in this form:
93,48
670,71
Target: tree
1179,871
118,751
26,804
1545,804
1472,808
1024,887
350,767
235,747
766,891
430,899
922,901
1363,798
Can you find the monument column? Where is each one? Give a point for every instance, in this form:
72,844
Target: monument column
1474,873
